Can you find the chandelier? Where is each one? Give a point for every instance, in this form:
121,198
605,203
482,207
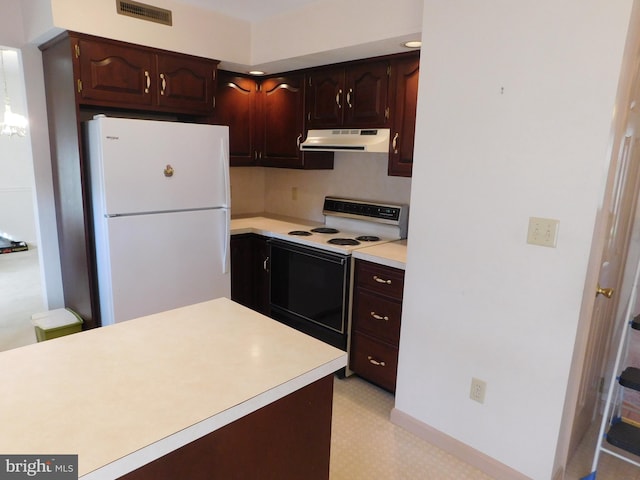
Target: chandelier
12,123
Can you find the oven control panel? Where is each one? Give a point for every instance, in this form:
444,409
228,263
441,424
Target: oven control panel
372,211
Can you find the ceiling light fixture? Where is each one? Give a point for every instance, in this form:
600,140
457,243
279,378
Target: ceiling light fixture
256,72
12,123
413,44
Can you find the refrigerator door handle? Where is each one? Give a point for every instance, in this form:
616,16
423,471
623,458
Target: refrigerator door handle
224,154
227,240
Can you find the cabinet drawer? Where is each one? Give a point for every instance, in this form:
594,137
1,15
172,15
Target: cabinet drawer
380,278
374,361
377,316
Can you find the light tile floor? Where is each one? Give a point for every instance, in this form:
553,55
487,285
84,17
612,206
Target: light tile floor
367,446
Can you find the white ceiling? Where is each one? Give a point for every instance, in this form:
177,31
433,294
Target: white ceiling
250,10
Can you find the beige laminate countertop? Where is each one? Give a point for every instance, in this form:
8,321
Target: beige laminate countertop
392,254
268,226
123,395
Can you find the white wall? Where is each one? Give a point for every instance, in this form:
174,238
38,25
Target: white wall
514,117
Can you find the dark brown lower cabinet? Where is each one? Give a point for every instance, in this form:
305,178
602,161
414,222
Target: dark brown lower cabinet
288,439
375,329
249,271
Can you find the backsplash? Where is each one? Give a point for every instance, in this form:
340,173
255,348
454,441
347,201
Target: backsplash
299,193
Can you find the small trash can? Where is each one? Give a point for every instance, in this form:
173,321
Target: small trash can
56,323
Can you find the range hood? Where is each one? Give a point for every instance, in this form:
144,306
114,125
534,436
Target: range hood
347,140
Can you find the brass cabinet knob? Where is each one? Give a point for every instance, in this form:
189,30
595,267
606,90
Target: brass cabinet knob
607,292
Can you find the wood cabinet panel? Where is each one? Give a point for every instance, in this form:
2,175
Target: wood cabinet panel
249,271
282,120
186,83
354,96
380,279
123,75
366,95
374,360
114,74
325,93
236,107
377,316
405,87
283,127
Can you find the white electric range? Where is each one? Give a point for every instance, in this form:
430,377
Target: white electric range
310,268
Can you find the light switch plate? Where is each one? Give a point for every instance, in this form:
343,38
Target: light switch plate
543,231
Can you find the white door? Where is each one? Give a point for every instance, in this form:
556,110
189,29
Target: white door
150,166
163,261
619,215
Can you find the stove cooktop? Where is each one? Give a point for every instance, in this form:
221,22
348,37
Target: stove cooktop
351,224
341,242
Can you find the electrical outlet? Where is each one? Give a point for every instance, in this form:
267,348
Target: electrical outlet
543,231
478,389
294,193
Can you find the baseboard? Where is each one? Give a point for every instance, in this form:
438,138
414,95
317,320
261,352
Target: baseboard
482,462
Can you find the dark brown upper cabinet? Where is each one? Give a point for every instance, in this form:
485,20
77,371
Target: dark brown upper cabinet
404,88
266,121
122,75
236,106
282,125
355,95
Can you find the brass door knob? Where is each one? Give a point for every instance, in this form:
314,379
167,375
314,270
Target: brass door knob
607,292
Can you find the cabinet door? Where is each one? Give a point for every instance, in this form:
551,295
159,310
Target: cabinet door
249,272
365,97
236,107
325,98
114,74
374,360
186,83
405,85
282,127
281,121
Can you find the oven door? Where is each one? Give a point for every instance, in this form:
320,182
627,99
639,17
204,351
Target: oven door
309,290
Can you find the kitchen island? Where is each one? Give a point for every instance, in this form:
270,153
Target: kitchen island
212,390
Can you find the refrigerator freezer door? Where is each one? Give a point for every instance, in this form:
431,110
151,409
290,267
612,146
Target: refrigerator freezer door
152,263
142,166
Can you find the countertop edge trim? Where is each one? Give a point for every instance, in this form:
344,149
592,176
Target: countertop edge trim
181,438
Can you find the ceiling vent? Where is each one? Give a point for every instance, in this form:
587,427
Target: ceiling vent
144,12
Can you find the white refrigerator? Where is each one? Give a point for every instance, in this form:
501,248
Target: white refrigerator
161,214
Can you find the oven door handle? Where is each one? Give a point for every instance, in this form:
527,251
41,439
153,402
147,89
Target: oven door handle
313,252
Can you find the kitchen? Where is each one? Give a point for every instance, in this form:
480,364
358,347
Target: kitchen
457,259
